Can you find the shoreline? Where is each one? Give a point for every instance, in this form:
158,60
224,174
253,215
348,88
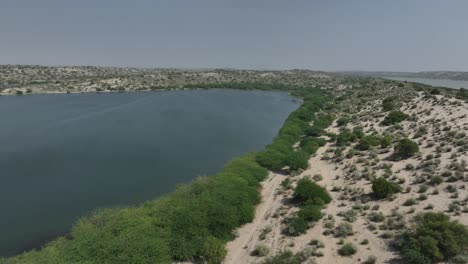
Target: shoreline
72,234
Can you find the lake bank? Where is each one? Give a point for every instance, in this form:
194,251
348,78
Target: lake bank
175,238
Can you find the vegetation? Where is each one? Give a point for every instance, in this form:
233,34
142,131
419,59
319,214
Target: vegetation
347,249
388,103
434,238
280,153
367,142
382,188
285,257
406,148
394,117
195,221
311,198
309,192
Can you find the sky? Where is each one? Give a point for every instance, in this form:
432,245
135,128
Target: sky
330,35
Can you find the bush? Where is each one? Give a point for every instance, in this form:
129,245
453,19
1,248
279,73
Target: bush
409,202
370,260
260,250
406,148
310,212
385,141
308,191
382,188
368,142
342,121
436,180
295,226
345,137
347,249
309,145
388,103
434,238
394,117
285,257
343,230
213,250
298,160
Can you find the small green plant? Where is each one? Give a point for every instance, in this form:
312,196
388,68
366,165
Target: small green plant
409,202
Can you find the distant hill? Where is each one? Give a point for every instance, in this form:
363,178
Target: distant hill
451,75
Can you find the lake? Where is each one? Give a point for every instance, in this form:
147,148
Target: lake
63,156
456,84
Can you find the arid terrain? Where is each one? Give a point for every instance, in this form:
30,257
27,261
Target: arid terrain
394,150
434,179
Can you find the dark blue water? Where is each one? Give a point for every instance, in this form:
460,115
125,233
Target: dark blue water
62,156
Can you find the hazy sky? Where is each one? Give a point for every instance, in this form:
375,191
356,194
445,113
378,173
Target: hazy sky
397,35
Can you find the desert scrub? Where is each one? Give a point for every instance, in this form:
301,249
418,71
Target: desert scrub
394,117
265,231
343,230
406,148
433,238
410,202
370,260
285,257
295,226
308,191
382,188
347,249
260,250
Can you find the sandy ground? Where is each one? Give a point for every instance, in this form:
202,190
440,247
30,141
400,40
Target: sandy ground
345,180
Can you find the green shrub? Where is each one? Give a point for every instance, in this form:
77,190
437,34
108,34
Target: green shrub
385,141
306,190
382,188
342,121
345,137
436,180
343,230
394,117
309,145
409,202
388,103
310,212
370,260
285,257
368,142
298,160
295,226
347,249
406,148
260,250
213,250
434,238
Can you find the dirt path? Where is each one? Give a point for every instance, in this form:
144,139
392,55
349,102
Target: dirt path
239,249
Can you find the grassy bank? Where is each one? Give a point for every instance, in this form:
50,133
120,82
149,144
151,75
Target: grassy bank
195,221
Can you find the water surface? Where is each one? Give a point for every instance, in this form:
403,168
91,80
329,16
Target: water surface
456,84
62,156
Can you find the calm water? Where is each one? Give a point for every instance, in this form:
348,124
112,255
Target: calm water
62,156
434,82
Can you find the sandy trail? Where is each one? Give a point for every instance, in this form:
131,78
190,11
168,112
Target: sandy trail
240,248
